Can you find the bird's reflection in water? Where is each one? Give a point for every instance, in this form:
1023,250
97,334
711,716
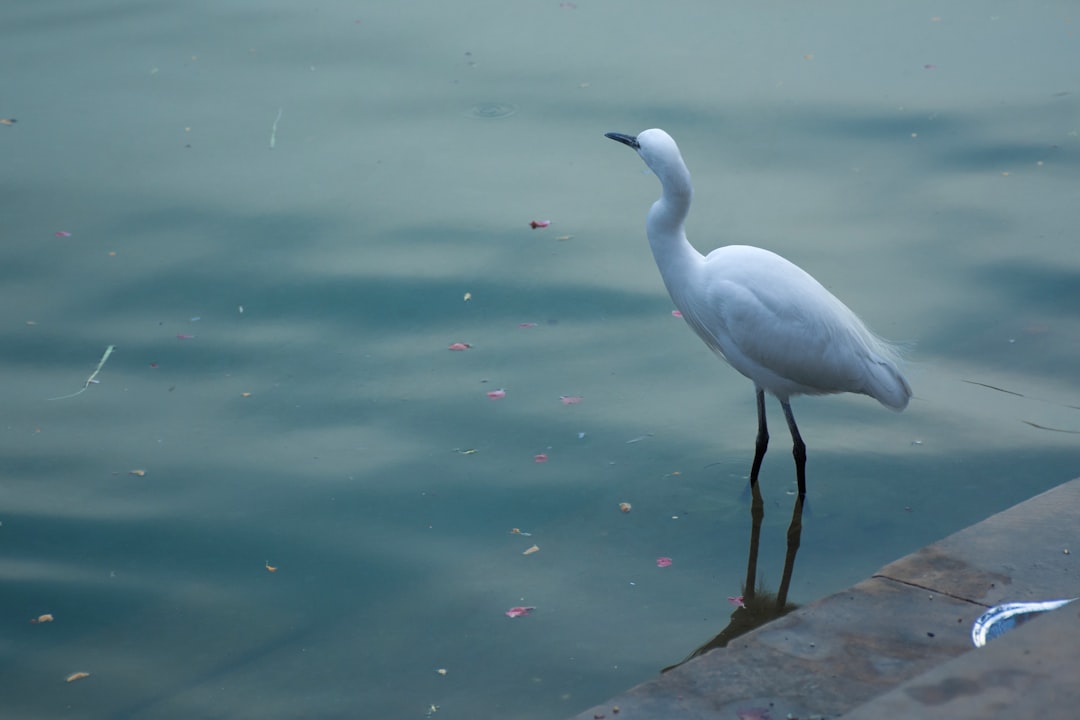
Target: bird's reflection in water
759,605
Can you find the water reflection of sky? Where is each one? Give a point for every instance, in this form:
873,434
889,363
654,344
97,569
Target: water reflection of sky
937,201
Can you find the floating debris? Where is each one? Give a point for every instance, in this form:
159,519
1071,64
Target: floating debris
519,611
496,394
991,387
570,399
492,111
663,562
90,380
273,129
459,346
625,507
270,568
77,676
534,224
1051,429
533,549
47,617
540,458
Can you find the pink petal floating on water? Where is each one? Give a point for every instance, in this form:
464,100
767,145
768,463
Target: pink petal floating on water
62,233
540,458
754,713
518,611
676,313
570,399
737,601
459,346
539,224
184,337
496,394
663,561
525,326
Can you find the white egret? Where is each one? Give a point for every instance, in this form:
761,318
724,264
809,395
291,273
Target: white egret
765,316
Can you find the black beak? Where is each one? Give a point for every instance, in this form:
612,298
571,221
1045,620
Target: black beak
624,139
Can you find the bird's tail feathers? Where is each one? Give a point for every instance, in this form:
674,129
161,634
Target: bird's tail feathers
885,382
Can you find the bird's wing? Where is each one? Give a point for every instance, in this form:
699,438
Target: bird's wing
778,326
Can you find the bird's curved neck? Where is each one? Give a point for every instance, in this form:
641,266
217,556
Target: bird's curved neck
665,225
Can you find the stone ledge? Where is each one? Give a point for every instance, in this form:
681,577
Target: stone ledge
911,618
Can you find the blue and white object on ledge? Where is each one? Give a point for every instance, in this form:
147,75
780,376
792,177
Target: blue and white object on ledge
1002,618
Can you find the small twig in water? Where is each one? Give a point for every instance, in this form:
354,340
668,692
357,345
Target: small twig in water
1051,429
101,364
992,387
273,129
1010,392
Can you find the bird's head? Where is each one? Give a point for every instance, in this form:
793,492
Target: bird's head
660,153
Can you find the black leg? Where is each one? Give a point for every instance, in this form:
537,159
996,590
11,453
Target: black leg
798,449
762,443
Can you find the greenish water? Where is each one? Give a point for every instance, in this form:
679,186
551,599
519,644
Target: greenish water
920,161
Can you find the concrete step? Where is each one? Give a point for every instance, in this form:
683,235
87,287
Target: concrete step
902,638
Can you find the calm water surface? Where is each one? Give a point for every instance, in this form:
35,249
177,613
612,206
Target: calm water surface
276,214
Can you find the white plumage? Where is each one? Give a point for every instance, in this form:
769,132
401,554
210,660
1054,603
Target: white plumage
764,315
